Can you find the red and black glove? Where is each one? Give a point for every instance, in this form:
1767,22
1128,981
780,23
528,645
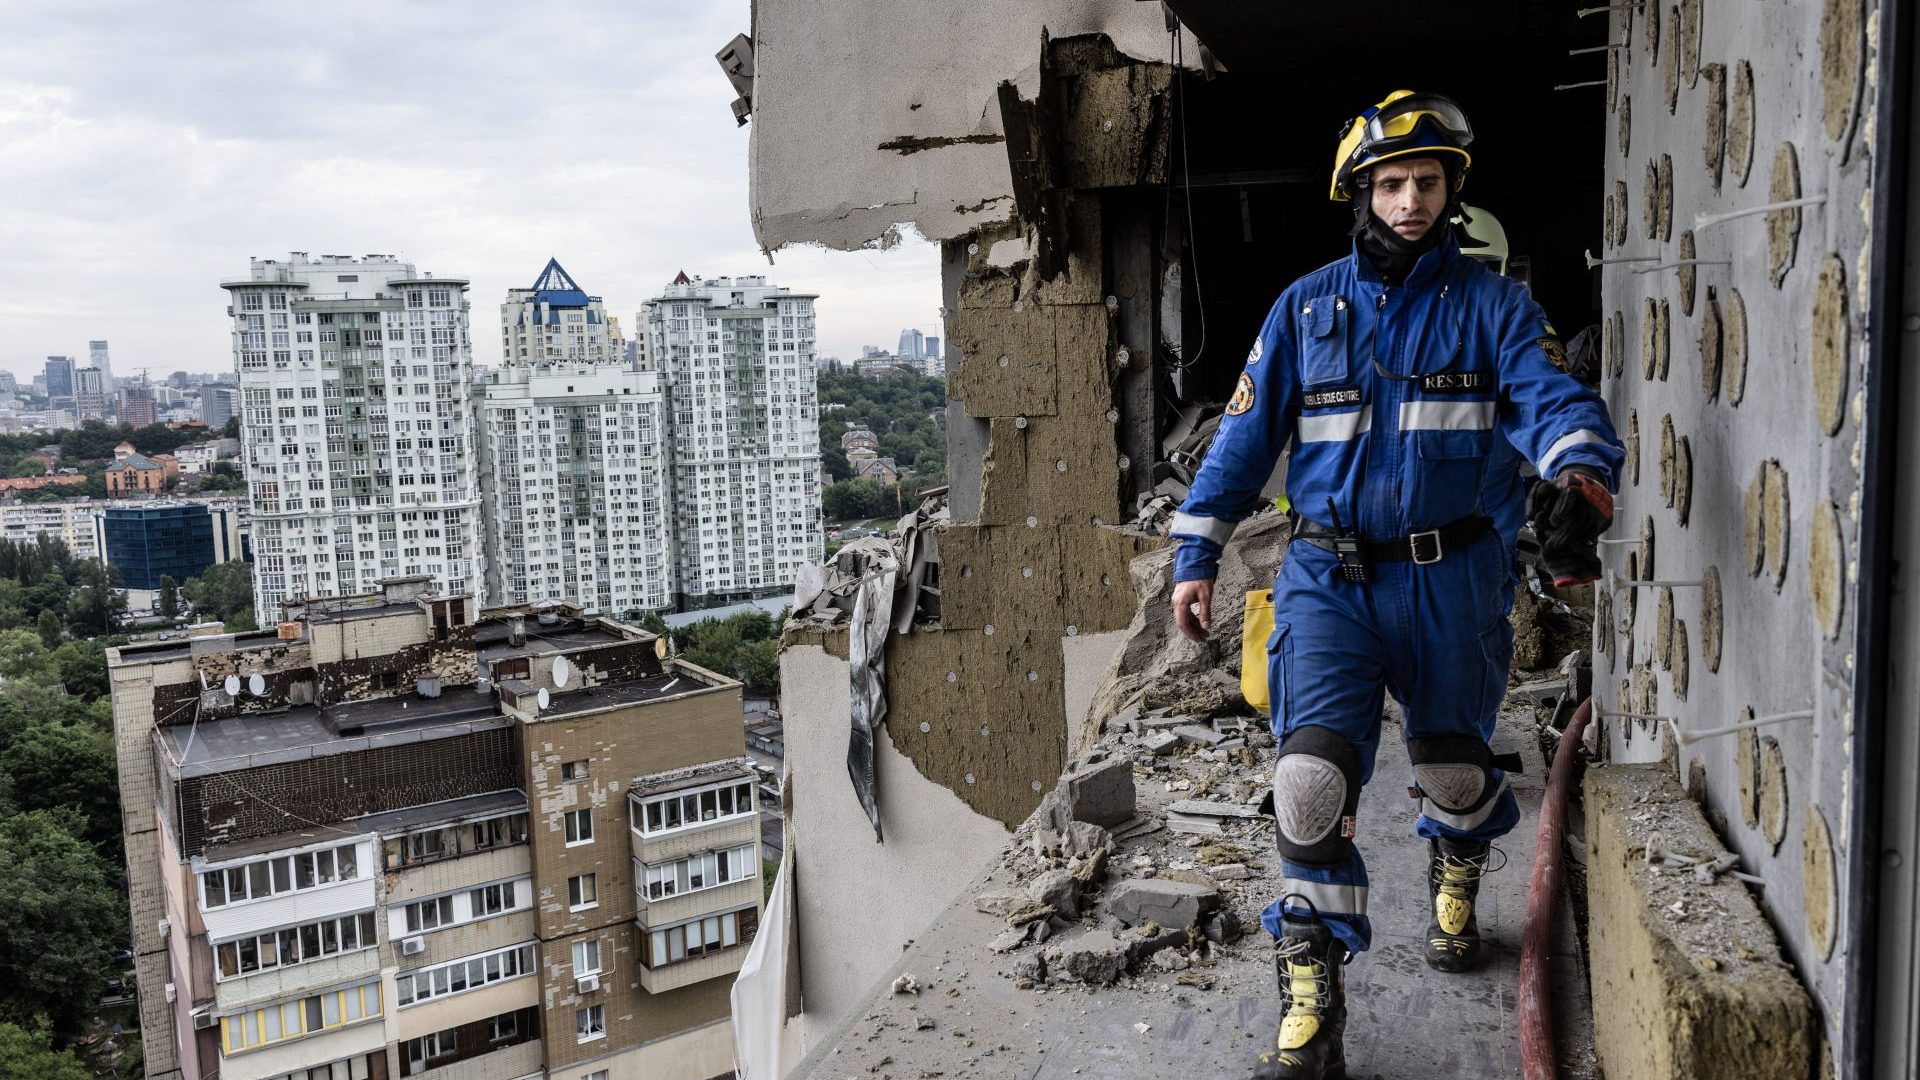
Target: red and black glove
1568,514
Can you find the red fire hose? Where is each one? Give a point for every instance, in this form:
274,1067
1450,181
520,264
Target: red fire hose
1536,989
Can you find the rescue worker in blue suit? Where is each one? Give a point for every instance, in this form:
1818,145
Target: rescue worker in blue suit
1389,375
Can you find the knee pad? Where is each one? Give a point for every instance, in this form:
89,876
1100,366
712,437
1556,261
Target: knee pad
1316,789
1453,775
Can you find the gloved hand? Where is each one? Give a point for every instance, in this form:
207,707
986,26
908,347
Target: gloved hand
1568,514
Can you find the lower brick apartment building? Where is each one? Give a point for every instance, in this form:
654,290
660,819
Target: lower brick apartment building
386,839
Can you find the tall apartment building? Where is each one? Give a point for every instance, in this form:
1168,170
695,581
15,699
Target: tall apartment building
92,394
70,521
388,841
355,380
59,375
218,404
573,459
736,355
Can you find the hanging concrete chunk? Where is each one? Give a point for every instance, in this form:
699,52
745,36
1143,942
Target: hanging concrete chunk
1689,275
1715,143
1840,67
1733,347
1773,514
1663,336
1663,629
1832,341
1826,551
1773,791
1710,345
1670,65
1783,226
1623,121
1620,216
1648,562
1650,202
1746,770
1756,533
1740,123
1690,19
1682,479
1613,81
1820,882
1649,325
1666,459
1606,220
1615,337
1630,598
1711,618
1632,440
1603,624
1678,660
1653,36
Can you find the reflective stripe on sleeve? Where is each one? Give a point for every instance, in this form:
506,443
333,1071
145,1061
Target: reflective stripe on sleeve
1565,443
1327,898
1446,415
1217,530
1335,427
1471,820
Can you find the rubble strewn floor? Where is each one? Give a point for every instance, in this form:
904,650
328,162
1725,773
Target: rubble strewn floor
1098,997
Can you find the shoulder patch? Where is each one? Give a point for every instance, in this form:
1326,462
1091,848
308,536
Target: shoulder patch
1253,357
1556,353
1242,396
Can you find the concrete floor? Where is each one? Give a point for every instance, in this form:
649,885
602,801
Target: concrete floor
1407,1022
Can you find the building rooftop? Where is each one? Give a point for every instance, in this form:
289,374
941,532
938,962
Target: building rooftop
491,638
304,732
452,811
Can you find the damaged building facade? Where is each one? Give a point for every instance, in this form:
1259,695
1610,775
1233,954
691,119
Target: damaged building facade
388,839
1725,197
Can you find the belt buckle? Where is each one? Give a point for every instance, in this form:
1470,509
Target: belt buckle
1413,547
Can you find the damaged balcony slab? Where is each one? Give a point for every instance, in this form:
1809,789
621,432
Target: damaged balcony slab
1062,972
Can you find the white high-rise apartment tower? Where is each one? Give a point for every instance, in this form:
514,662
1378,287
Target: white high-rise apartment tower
355,378
573,459
737,358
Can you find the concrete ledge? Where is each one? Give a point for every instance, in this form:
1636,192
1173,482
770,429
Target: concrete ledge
1688,980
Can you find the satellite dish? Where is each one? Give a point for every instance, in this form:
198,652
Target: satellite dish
256,686
232,685
543,698
660,648
560,671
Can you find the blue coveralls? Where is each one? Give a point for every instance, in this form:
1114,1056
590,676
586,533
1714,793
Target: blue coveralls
1395,457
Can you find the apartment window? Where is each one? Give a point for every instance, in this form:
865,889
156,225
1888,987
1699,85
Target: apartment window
350,1069
503,1027
445,843
582,892
492,899
698,937
294,945
586,957
428,1048
294,1019
590,1023
579,827
598,1074
429,914
460,976
695,872
279,874
574,770
687,809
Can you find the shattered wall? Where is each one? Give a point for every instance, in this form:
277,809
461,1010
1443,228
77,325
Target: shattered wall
865,117
1734,361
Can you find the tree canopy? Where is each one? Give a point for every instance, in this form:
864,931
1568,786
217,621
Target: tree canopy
28,1054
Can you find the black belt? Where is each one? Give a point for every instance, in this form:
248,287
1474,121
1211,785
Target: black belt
1422,547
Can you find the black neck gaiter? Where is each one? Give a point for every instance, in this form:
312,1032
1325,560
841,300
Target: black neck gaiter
1392,255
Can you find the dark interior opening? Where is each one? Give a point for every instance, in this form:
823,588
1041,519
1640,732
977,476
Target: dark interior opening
1252,151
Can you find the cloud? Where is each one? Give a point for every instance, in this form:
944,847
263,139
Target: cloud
152,150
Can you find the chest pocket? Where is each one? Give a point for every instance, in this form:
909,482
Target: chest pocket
1325,348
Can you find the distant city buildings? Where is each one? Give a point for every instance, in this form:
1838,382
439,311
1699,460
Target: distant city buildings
219,404
59,376
574,461
148,541
862,448
736,359
91,394
76,522
355,397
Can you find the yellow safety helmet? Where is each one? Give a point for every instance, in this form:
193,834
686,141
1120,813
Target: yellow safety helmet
1404,125
1481,237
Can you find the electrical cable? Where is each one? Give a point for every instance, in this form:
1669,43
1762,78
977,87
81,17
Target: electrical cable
1177,49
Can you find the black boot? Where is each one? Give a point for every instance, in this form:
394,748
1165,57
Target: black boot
1313,1022
1453,884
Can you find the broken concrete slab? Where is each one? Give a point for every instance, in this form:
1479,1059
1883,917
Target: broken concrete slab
1159,743
1688,978
1161,900
1059,890
1101,793
1203,736
1204,808
1096,958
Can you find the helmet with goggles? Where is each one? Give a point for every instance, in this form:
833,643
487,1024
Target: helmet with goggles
1405,125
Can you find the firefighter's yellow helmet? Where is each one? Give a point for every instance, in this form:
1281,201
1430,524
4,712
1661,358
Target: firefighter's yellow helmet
1404,125
1482,237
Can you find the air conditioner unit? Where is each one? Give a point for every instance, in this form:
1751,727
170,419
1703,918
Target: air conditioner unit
165,927
588,984
204,1020
412,945
171,994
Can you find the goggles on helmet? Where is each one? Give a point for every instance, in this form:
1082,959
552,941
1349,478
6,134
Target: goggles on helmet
1399,120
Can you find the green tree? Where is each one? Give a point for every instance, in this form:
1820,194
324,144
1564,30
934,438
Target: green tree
23,655
50,627
241,621
27,467
169,600
81,667
65,916
221,591
97,605
28,1054
857,500
57,766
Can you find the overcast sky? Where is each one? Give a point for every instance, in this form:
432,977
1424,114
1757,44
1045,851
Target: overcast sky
147,151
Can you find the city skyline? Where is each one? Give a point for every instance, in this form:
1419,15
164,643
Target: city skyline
129,146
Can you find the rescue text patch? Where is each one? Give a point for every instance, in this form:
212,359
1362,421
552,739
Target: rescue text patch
1338,395
1456,382
1253,357
1556,353
1242,396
